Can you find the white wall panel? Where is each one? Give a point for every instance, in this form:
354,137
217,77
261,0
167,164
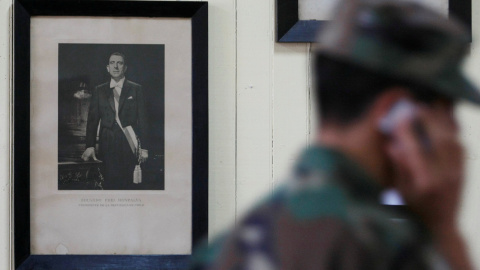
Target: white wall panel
470,118
4,134
222,114
469,214
290,106
254,100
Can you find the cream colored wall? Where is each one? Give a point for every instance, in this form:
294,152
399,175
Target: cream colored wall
470,123
4,134
259,114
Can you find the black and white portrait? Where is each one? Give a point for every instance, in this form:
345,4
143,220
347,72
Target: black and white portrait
111,117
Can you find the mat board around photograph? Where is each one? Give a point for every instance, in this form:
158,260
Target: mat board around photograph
157,84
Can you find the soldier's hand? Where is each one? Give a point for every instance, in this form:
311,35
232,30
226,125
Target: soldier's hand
430,175
89,154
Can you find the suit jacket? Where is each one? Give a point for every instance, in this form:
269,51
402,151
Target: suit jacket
131,109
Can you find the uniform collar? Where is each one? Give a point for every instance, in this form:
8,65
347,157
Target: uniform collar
319,165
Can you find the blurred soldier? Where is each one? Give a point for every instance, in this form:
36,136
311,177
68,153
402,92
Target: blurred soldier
388,76
119,107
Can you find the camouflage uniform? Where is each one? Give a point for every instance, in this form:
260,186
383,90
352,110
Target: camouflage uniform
327,217
401,40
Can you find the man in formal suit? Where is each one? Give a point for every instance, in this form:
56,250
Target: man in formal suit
119,107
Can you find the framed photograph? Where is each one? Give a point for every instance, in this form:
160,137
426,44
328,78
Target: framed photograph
299,20
110,133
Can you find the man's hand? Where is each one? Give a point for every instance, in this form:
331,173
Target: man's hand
143,155
430,175
89,154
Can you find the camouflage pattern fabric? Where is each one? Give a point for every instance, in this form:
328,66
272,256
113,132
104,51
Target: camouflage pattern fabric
328,216
403,40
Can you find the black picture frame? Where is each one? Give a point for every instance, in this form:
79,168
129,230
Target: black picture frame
291,29
23,11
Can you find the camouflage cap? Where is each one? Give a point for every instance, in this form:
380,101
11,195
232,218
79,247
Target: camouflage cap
403,40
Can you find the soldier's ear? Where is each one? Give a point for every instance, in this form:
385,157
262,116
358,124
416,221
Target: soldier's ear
108,69
125,70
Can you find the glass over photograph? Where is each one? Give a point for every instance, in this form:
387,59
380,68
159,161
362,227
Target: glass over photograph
111,116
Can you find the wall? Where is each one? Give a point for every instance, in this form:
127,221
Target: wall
260,115
259,109
469,118
4,134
